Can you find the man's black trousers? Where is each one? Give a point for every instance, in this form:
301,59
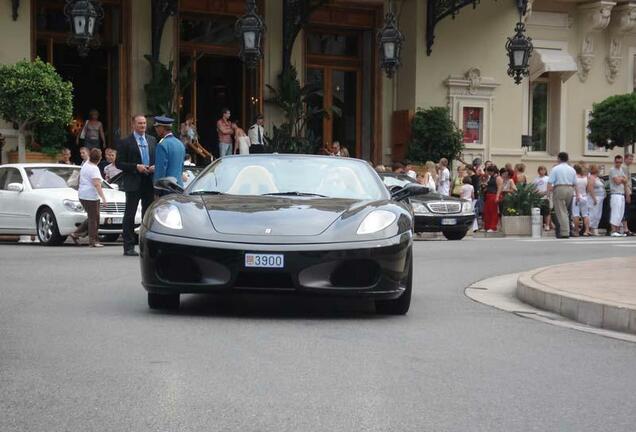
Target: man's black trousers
146,196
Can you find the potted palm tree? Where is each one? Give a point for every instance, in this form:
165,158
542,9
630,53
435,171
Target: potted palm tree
517,210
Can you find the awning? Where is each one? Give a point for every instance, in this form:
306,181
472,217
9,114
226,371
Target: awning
554,61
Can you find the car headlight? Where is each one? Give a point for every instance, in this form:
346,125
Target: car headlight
74,206
467,207
168,215
419,208
376,221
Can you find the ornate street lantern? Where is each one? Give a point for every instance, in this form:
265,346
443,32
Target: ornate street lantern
250,29
519,48
390,43
84,17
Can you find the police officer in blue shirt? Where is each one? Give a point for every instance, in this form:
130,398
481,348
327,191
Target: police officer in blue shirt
169,154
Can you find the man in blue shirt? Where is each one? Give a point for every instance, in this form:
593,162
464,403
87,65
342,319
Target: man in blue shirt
561,183
170,152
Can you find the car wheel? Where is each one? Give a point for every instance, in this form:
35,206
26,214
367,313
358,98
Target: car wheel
163,301
400,305
454,235
109,238
48,232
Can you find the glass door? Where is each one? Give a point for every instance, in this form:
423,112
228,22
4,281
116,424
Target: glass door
344,109
338,94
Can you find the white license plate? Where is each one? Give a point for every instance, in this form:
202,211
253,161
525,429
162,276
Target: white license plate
254,260
449,221
113,221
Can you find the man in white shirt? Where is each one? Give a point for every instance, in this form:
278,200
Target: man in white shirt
443,181
408,169
627,162
256,134
618,182
561,183
111,169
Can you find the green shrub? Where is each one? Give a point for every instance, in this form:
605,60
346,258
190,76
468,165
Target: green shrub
51,137
434,136
521,202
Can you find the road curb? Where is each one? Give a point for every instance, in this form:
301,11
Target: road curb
586,310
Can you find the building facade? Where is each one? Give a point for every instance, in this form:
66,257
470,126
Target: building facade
452,56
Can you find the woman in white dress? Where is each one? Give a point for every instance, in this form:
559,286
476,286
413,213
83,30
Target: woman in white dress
241,142
597,195
430,177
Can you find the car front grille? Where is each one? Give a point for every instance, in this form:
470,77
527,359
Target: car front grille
112,207
444,207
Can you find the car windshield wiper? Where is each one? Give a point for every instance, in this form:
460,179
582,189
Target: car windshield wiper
294,193
204,192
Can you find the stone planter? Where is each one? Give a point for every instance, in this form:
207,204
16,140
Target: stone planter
516,225
33,157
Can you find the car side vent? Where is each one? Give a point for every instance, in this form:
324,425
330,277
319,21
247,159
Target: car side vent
178,269
356,274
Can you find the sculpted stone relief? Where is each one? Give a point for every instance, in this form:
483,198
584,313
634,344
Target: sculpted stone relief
623,22
594,18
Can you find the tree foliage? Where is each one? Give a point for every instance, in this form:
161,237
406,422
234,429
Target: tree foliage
161,90
613,121
434,136
299,104
33,94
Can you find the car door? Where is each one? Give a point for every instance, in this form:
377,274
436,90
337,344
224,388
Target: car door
13,216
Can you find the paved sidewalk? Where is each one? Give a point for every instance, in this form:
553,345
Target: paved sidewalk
599,293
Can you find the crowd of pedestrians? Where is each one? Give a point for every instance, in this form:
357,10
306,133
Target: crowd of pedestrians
572,195
572,201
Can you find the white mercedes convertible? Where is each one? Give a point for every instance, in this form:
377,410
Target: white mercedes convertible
42,199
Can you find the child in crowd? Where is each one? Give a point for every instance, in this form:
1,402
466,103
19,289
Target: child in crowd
468,193
541,184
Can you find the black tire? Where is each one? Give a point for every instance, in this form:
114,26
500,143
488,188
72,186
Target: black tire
47,229
108,238
454,235
400,305
163,301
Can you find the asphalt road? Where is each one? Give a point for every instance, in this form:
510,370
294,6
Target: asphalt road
80,351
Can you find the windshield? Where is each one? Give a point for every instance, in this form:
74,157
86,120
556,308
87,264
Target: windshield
291,176
53,177
390,181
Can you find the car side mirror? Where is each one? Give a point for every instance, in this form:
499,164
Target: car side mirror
408,191
168,185
15,187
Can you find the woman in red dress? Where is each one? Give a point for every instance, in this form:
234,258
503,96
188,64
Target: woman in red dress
494,188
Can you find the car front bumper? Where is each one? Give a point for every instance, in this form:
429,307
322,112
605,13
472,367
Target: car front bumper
372,269
437,223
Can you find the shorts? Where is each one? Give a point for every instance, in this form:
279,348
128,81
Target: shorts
617,209
580,209
545,207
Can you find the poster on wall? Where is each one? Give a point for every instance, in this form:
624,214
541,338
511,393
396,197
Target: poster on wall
473,123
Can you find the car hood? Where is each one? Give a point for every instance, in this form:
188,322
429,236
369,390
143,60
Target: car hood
276,216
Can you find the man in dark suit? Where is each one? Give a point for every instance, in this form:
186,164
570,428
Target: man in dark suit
136,158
